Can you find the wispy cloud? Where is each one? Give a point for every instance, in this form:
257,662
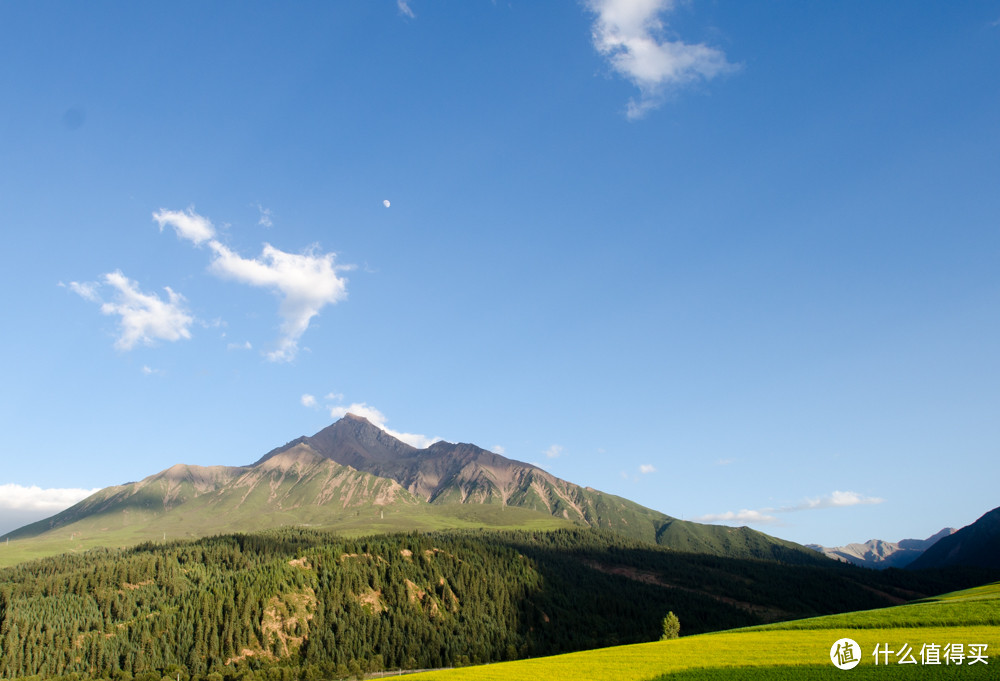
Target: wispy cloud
632,36
498,449
86,290
378,420
265,216
404,9
554,452
768,515
188,224
306,282
832,500
144,317
647,468
745,517
308,400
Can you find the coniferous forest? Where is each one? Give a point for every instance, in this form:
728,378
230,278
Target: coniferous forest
300,604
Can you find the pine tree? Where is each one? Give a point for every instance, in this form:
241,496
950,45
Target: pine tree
671,627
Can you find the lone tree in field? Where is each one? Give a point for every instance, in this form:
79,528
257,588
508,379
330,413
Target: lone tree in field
671,627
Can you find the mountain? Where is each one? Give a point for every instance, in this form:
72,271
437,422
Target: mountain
355,477
448,474
975,545
880,554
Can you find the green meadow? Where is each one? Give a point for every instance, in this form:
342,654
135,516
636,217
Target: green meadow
790,650
115,532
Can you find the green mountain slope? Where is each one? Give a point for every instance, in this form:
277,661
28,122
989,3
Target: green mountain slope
297,488
976,545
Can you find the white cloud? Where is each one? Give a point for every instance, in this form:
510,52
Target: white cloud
631,35
145,317
149,371
378,420
308,400
336,397
239,346
188,224
306,281
404,8
20,506
836,499
20,498
498,449
554,452
647,468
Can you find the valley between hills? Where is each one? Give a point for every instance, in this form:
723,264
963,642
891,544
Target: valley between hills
349,552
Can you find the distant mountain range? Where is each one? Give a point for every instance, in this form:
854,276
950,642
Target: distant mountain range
880,554
354,477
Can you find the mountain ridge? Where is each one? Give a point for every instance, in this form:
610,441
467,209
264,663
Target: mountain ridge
446,473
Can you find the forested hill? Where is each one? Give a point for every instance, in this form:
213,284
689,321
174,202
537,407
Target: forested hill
308,605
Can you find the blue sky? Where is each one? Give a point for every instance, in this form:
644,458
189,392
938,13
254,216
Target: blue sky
735,261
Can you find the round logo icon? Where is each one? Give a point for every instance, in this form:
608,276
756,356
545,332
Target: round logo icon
845,653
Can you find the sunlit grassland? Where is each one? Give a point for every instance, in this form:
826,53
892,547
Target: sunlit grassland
969,607
786,650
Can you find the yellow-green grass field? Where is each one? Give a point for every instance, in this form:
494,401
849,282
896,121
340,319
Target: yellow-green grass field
799,650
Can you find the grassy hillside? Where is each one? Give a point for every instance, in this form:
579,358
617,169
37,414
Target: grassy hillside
789,650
